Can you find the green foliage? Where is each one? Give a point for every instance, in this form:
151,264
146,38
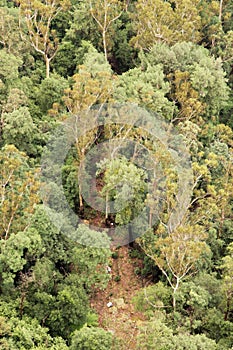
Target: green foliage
20,334
70,308
147,88
212,285
16,252
153,298
206,73
91,257
50,92
83,27
115,255
19,129
159,21
155,335
183,72
117,278
95,62
18,191
131,187
70,182
9,67
42,37
91,339
123,56
57,246
60,303
65,61
193,342
212,88
92,320
218,329
227,267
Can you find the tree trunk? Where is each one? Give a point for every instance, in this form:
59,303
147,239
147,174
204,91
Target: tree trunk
174,295
105,44
220,10
106,206
174,301
47,63
150,218
81,207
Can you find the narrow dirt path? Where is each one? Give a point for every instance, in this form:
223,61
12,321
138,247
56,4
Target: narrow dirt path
121,318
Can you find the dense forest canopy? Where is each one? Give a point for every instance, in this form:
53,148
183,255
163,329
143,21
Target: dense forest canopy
173,61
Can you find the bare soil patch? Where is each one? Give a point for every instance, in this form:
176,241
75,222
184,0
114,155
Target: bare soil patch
121,318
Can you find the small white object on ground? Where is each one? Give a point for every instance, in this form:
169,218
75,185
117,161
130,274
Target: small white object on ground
108,269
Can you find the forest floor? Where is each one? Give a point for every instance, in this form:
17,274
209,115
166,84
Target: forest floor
121,318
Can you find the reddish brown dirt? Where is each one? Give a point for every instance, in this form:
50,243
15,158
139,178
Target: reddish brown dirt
121,319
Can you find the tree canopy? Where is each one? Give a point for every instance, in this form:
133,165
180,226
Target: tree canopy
116,119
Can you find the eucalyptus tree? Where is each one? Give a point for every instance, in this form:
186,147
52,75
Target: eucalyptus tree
38,16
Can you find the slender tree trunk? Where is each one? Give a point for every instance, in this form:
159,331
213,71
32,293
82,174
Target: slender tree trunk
174,295
81,155
105,44
47,63
150,218
174,301
81,208
220,10
106,206
1,127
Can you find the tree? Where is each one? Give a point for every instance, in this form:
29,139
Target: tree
55,285
218,329
177,254
193,342
39,16
9,67
227,267
192,302
214,75
57,246
158,21
183,94
70,309
146,87
20,334
19,129
18,191
93,85
91,339
153,299
105,13
90,256
216,24
124,183
15,98
49,94
9,33
15,254
156,335
198,81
